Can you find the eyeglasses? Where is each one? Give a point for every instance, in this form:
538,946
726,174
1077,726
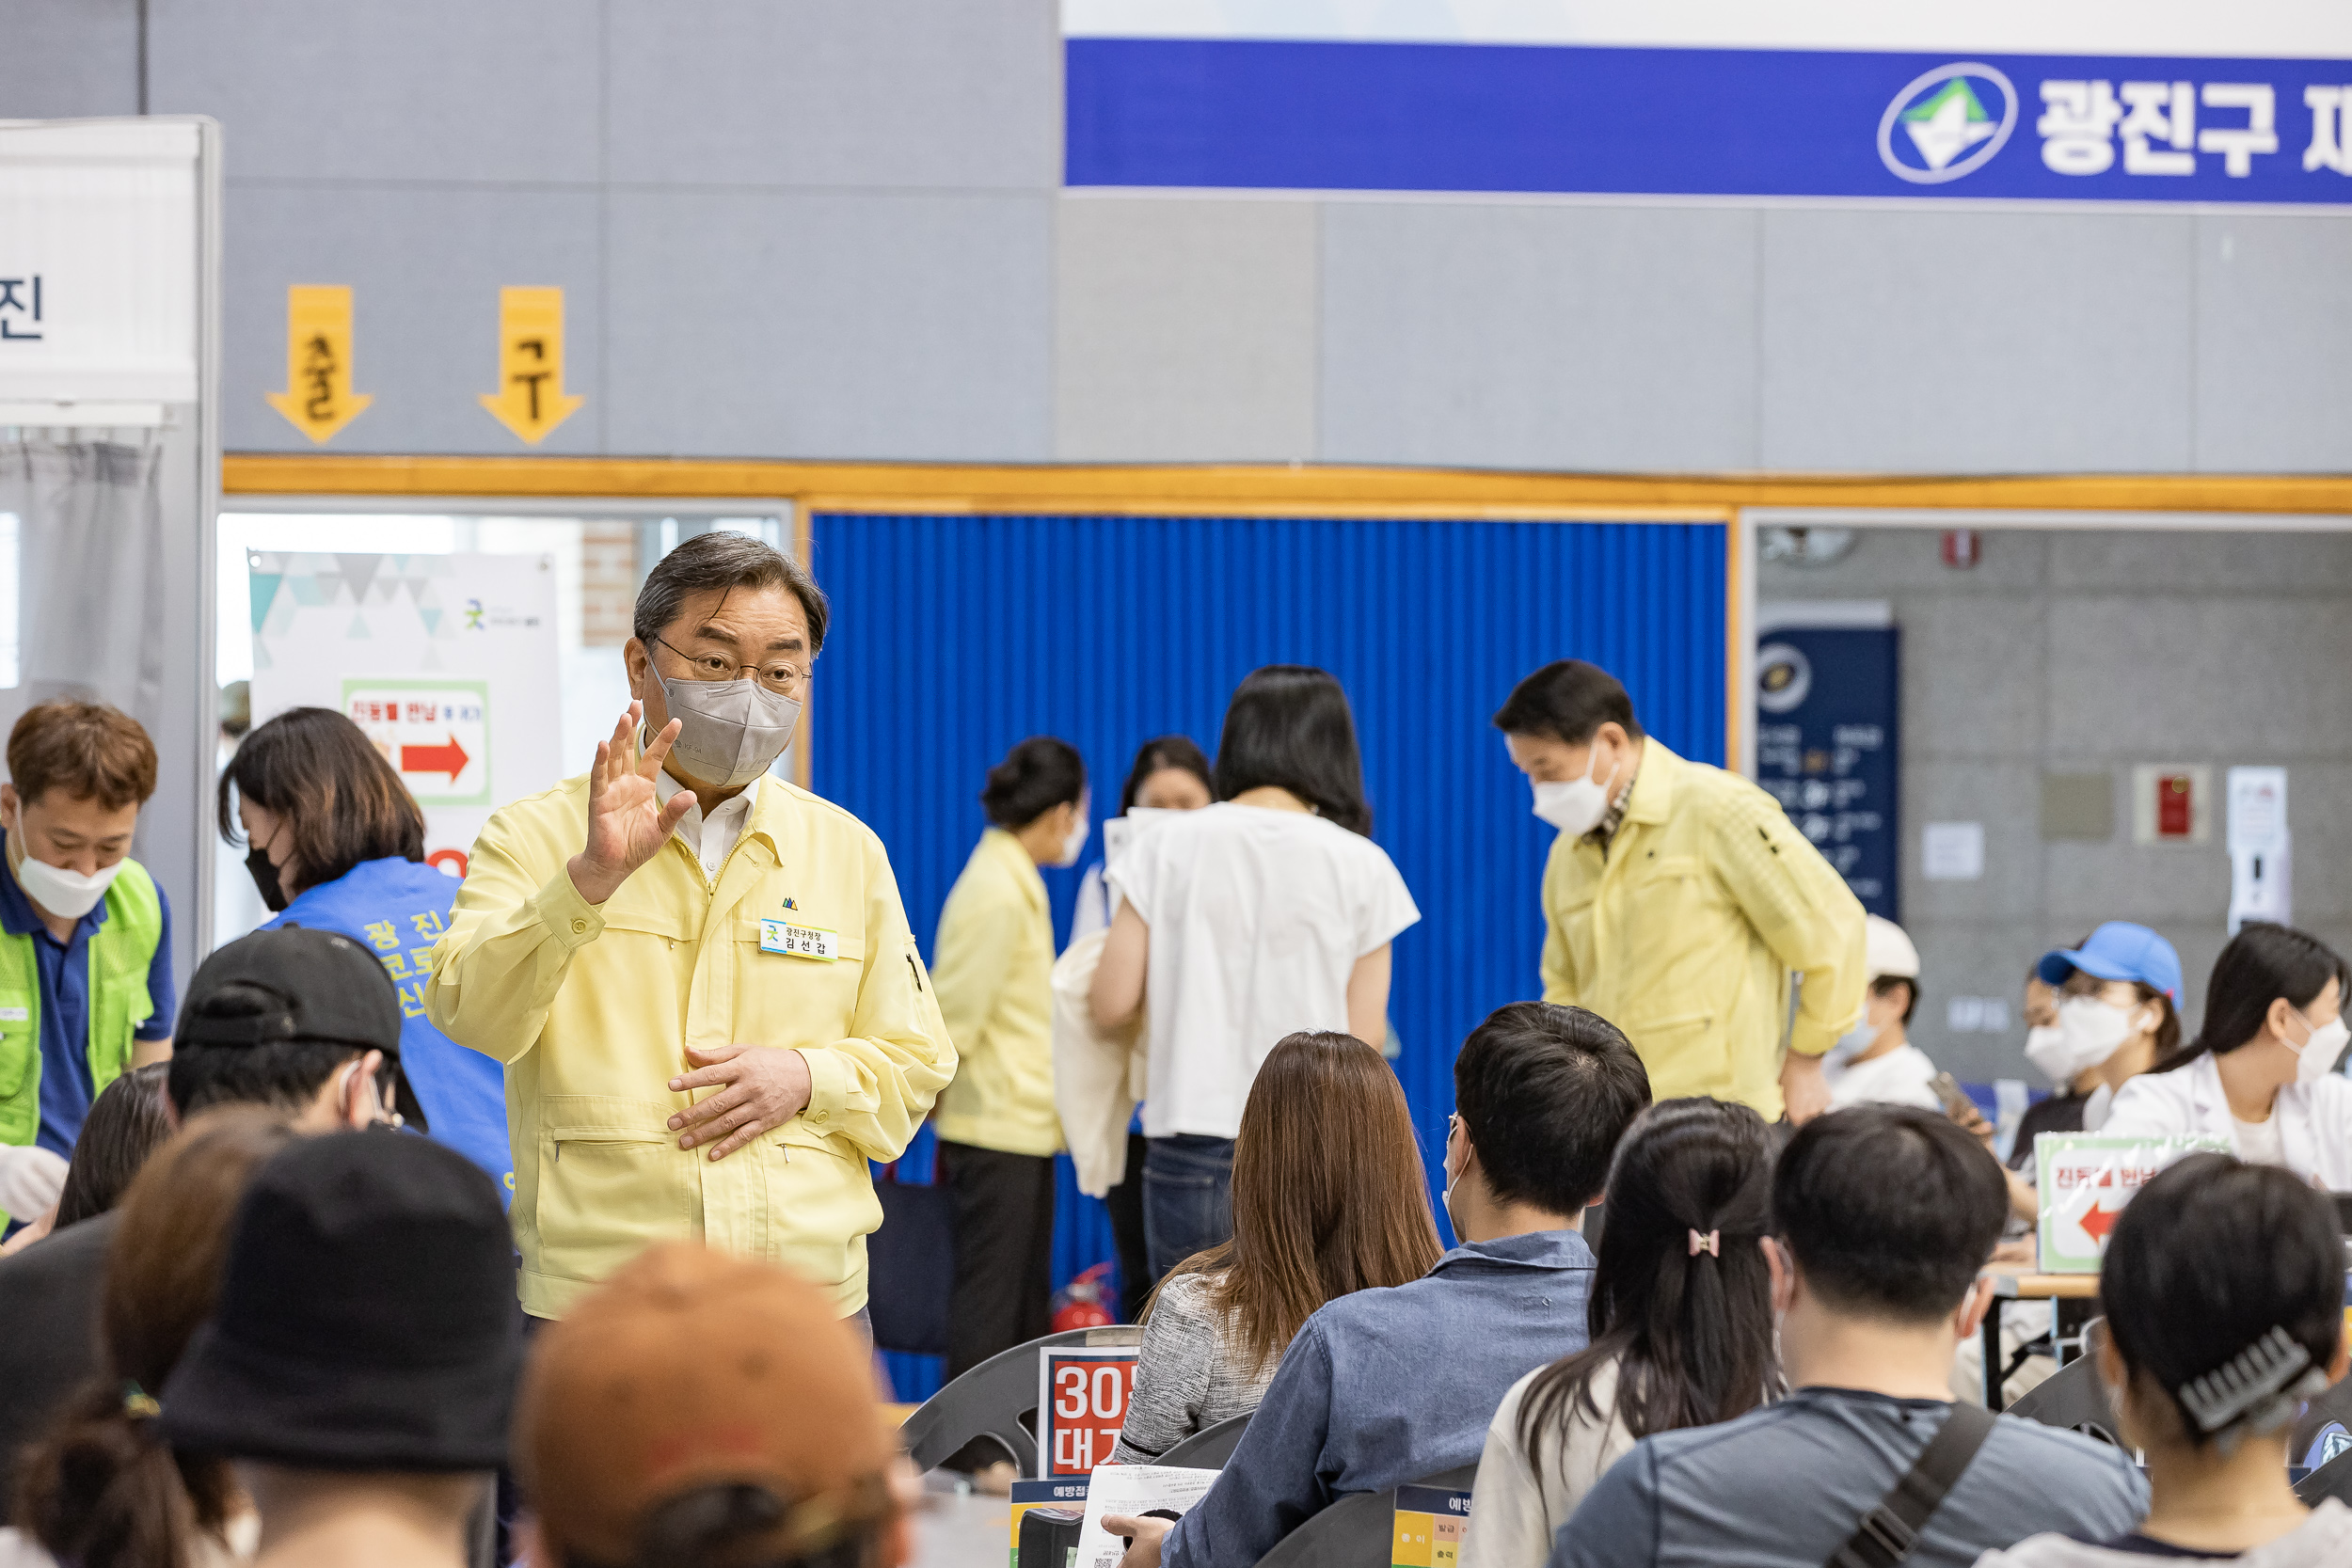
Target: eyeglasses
784,679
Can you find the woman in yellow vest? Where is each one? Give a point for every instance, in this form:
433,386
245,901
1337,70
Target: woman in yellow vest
993,969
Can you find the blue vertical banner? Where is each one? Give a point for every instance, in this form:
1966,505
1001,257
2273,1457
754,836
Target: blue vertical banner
1828,746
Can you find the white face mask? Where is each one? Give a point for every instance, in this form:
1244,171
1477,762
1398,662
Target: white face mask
2094,1030
1075,844
2047,1048
729,732
2316,1056
1850,1044
66,894
1577,806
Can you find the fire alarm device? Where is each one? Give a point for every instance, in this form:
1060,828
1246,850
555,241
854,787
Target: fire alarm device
2171,804
1962,547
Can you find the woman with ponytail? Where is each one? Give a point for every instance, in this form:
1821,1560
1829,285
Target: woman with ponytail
101,1490
993,967
2261,1072
1681,1317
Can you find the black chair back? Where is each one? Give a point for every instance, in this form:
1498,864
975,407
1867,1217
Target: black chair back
1358,1532
2074,1399
996,1400
1209,1448
2332,1479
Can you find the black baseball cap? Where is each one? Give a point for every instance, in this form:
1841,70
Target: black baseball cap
294,983
367,1317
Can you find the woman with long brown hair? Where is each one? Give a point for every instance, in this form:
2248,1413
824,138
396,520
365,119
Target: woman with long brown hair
1328,1198
101,1490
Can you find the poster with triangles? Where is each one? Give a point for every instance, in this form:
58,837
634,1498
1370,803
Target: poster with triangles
447,664
2083,1181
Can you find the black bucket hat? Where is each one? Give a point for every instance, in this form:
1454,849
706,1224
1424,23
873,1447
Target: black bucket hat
367,1317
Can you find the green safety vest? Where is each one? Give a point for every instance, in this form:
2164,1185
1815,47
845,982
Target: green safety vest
120,950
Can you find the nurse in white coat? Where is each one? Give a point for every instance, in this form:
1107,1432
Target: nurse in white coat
2262,1071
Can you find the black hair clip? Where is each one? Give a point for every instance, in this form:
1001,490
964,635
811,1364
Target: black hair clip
2257,1390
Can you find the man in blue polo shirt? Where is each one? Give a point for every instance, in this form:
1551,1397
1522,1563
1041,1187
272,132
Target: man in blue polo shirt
86,985
1398,1385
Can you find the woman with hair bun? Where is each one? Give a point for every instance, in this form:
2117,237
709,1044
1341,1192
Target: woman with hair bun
992,967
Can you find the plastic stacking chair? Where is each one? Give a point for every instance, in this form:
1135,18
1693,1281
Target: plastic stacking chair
2074,1399
1209,1448
1355,1532
2332,1479
996,1400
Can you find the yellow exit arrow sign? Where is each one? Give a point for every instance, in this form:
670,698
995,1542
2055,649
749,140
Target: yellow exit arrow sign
318,400
530,400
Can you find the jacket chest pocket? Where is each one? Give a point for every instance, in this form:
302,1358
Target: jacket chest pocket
1667,898
787,993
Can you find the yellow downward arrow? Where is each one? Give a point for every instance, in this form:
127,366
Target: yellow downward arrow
530,400
318,400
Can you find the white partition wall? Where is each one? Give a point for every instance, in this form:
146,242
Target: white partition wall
110,452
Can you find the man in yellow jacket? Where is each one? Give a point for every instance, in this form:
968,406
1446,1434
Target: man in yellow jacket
1679,898
700,978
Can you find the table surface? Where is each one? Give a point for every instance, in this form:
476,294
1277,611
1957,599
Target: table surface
2044,1286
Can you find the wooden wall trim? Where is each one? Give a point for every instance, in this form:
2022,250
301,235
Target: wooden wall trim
1270,490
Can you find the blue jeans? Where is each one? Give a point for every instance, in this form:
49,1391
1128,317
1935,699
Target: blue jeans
1187,1197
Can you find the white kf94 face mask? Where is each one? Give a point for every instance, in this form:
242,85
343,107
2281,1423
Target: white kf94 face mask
1577,806
68,894
1075,843
2094,1031
2316,1056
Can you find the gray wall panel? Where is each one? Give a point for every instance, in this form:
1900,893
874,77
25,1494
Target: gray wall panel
69,59
424,89
2273,339
1538,335
1912,341
881,92
2093,652
819,325
1185,330
425,338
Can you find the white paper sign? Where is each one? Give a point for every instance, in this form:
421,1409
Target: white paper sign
1131,1491
99,261
446,662
1952,852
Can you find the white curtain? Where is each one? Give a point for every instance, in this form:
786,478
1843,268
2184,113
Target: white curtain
89,579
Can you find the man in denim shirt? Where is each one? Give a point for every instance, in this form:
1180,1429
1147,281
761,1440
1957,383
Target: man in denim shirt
1389,1387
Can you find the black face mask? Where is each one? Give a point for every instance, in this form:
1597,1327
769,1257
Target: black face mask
265,877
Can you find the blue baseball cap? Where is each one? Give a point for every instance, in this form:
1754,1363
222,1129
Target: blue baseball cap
2118,950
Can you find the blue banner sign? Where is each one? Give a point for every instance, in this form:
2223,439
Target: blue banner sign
1352,114
1828,734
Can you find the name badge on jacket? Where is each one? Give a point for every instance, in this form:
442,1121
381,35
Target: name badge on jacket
798,941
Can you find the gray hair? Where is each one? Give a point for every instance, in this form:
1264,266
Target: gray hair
720,559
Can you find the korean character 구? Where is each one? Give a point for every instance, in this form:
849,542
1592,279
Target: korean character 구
2160,111
19,310
2237,145
2078,118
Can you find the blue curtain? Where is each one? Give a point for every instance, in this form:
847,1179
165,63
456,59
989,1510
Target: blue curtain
954,637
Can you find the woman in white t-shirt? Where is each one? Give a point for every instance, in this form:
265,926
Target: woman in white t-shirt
2261,1072
1267,914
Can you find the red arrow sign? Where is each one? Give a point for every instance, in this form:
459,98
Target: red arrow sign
2097,1221
450,759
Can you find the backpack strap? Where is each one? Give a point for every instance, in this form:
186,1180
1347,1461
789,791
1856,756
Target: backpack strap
1888,1532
